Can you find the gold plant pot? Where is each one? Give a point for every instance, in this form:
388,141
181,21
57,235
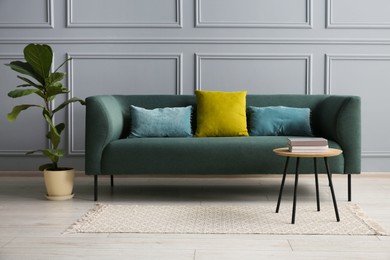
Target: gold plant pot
59,184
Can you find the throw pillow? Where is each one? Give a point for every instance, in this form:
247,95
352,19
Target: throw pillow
161,122
279,120
221,113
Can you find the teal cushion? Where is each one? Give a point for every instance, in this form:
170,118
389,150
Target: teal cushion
161,122
279,121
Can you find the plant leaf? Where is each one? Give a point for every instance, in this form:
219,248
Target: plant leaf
54,77
26,69
55,90
72,100
32,152
60,127
23,86
46,166
17,109
33,84
40,57
21,92
55,137
53,153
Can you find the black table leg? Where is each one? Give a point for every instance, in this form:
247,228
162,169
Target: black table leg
282,185
316,179
295,191
331,189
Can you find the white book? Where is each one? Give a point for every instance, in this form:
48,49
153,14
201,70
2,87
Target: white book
314,147
307,141
309,149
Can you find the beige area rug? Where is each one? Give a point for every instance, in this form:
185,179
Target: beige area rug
226,219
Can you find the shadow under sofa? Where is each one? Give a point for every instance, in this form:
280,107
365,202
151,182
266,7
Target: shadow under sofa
110,152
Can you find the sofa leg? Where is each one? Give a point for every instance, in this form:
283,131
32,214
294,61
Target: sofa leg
349,187
95,189
112,180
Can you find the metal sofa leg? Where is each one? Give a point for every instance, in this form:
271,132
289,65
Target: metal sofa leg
95,187
112,180
349,187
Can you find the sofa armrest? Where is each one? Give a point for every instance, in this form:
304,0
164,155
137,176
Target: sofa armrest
338,118
104,123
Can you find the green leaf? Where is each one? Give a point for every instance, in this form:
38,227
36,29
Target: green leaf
55,90
40,57
33,84
21,92
72,100
47,166
55,77
16,111
46,112
60,127
26,69
32,152
54,153
55,137
23,86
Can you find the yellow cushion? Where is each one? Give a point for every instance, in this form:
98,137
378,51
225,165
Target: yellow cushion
221,113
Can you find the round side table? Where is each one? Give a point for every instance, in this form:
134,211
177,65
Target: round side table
330,153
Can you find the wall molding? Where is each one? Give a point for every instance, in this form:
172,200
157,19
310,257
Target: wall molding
199,57
30,25
376,154
176,24
329,59
331,24
308,24
200,40
178,57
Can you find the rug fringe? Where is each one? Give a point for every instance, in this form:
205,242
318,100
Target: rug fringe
371,224
75,227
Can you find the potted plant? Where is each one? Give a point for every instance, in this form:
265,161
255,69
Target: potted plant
41,81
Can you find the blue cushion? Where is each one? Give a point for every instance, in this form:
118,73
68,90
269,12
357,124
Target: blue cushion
279,121
161,122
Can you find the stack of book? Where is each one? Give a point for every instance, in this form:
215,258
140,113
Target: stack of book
308,145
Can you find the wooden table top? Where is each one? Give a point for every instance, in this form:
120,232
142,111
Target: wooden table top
329,153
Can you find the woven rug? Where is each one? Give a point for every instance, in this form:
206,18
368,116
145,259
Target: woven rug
226,219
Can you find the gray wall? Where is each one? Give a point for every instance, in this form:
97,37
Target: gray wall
178,46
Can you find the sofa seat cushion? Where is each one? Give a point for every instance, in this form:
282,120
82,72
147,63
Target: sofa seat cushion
203,156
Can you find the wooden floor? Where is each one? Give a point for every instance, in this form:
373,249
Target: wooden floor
32,227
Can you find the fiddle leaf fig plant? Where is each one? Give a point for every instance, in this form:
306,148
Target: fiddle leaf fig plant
47,85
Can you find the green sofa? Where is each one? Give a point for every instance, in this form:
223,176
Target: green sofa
110,152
